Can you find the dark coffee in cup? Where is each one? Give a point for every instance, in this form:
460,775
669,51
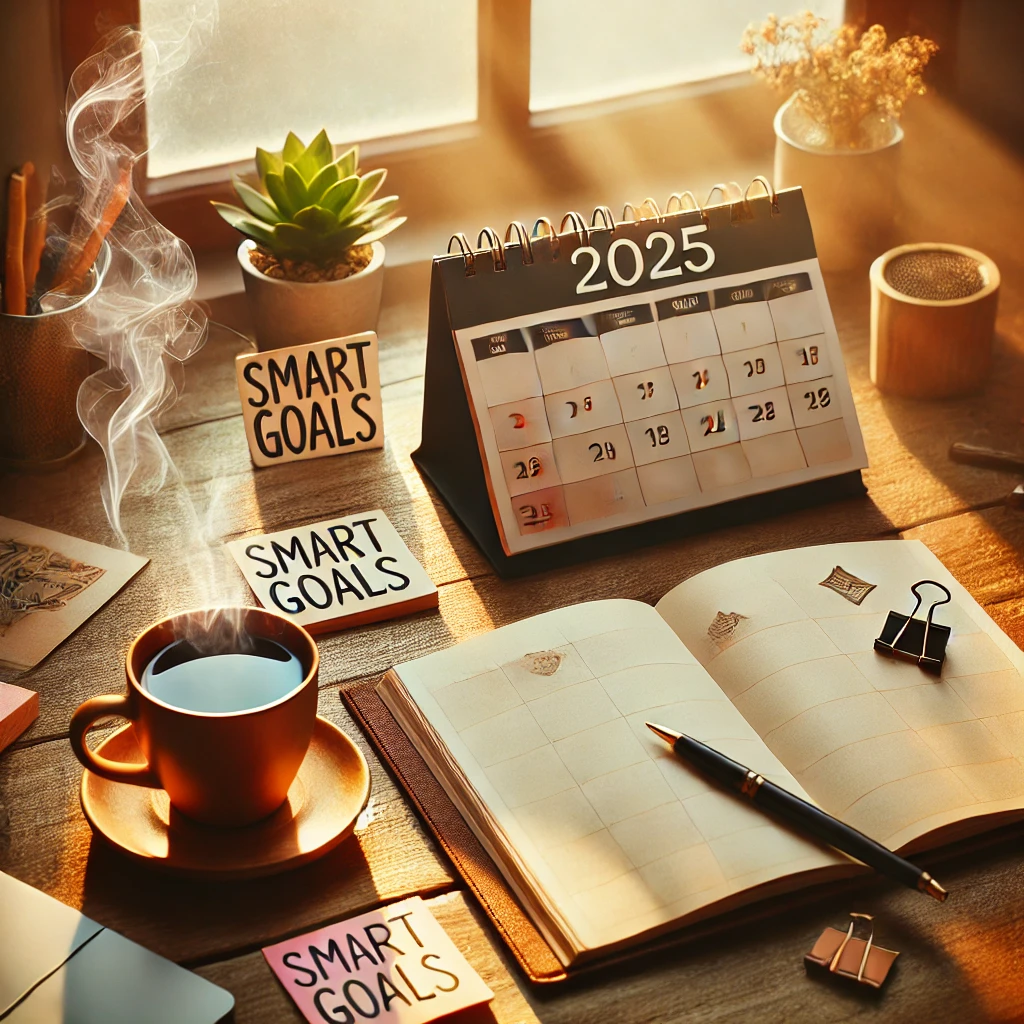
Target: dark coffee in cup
250,673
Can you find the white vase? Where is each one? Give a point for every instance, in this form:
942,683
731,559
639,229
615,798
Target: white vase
289,313
852,194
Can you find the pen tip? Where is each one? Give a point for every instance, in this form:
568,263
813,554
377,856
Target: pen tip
668,735
929,885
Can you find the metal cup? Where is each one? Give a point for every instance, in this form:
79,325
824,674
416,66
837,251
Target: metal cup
41,369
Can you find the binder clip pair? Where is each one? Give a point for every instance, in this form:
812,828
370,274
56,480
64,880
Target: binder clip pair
913,639
850,957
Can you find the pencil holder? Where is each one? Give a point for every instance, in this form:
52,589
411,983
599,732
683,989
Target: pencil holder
42,367
933,313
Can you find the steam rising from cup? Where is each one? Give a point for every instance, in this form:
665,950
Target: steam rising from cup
143,323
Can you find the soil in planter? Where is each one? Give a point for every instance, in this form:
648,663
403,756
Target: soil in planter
350,262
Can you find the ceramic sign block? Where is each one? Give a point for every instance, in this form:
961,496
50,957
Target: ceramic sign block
342,572
311,400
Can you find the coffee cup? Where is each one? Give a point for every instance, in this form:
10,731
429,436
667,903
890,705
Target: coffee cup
222,767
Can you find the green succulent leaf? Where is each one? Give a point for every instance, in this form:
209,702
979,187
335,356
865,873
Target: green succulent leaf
345,238
267,162
294,147
374,211
293,240
298,196
317,154
256,203
381,230
240,220
316,219
312,206
337,196
274,184
368,186
348,162
321,182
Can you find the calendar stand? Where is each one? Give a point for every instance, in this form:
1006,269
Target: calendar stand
449,453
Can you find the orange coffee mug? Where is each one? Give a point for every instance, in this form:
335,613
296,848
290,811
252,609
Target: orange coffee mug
222,768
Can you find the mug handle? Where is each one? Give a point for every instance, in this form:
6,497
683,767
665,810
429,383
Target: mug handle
115,771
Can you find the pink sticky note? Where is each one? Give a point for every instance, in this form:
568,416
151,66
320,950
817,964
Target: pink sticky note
395,965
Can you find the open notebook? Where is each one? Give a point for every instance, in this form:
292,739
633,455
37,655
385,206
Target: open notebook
536,732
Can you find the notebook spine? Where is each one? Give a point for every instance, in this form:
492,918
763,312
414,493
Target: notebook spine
574,223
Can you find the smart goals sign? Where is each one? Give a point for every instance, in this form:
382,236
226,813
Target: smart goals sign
311,400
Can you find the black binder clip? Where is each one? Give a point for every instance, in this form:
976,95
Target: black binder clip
919,640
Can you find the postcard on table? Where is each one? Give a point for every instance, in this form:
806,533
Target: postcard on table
395,965
50,584
341,572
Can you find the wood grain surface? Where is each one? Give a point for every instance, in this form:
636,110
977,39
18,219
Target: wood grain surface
962,961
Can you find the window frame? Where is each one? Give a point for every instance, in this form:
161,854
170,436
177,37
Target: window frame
182,201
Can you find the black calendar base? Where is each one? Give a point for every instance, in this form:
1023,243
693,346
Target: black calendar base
462,487
749,236
449,456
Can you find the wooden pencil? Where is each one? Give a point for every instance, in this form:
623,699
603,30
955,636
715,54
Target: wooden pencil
75,266
14,252
35,225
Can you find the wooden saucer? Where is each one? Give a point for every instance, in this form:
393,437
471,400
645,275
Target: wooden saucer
326,798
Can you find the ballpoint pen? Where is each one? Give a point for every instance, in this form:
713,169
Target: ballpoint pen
801,815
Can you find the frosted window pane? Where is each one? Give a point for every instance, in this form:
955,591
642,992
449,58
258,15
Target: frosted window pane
360,70
586,50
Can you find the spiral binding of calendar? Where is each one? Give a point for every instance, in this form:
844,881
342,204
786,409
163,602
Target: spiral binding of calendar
678,202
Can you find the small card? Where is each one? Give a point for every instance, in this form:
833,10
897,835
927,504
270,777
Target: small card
311,400
19,708
395,965
50,584
341,572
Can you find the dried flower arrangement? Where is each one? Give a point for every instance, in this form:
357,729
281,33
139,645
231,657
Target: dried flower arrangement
845,81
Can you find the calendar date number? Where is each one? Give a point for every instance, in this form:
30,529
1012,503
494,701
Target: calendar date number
530,468
819,399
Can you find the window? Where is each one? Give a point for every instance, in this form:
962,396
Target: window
397,68
582,52
363,71
482,110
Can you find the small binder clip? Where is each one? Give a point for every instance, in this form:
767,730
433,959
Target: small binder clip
848,956
920,640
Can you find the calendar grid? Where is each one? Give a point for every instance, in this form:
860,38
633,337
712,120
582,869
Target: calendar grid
621,412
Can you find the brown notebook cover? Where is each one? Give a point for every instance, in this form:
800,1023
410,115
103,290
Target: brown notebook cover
484,878
471,860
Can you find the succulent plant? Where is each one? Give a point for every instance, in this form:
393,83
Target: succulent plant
311,207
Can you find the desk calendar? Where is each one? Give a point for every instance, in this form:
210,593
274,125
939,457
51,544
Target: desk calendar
619,374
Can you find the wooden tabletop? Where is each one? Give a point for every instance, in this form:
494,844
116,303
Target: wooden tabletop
961,961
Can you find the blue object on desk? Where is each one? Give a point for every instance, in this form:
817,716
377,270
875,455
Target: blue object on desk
60,967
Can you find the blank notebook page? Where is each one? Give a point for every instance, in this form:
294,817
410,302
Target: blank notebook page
546,719
876,741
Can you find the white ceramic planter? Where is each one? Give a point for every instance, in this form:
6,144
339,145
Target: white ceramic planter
287,313
851,194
